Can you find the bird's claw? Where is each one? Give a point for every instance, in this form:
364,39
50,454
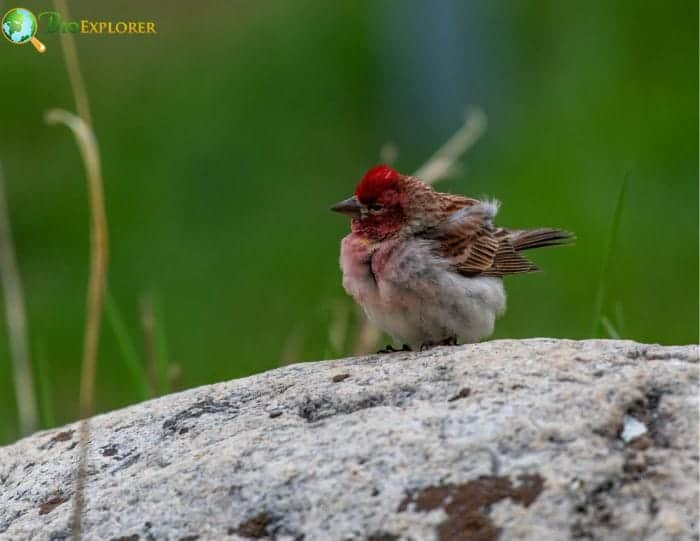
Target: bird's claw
451,341
390,349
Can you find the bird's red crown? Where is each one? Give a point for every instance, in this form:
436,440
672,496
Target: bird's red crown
378,179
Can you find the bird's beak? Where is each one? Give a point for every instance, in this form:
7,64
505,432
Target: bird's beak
350,207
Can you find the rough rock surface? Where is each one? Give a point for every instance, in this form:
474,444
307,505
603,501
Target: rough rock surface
515,440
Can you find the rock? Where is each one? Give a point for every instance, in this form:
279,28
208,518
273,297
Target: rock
534,439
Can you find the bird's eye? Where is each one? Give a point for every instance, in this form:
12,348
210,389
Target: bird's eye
375,207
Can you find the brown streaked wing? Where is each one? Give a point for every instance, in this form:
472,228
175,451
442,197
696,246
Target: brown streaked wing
468,244
509,261
474,248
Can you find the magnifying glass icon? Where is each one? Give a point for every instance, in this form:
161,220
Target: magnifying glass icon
19,26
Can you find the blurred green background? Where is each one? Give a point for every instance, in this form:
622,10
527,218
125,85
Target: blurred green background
225,138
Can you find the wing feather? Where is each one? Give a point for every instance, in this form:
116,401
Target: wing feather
473,246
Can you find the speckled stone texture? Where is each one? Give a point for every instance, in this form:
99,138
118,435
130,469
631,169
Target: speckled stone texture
515,440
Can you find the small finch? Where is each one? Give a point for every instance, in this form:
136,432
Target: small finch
427,267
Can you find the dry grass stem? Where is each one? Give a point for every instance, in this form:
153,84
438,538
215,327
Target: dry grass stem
70,53
367,336
389,153
293,347
149,342
338,328
81,127
442,163
174,377
16,322
89,152
87,144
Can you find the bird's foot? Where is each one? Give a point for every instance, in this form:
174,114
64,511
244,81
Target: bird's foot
390,349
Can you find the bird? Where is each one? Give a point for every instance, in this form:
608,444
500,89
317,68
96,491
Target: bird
427,267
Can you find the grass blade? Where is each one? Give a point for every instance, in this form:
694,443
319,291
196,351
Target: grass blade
155,345
162,357
45,393
16,323
602,284
126,347
609,328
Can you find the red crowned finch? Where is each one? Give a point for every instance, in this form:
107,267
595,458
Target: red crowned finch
427,267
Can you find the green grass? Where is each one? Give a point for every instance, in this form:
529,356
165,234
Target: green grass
129,357
599,319
161,348
45,392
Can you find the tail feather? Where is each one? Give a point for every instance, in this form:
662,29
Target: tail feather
508,260
537,238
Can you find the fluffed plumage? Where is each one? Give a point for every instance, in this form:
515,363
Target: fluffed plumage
427,267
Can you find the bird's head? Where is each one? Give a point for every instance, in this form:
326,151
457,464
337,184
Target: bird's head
381,205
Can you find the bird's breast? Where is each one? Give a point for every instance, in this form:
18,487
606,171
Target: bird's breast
356,263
